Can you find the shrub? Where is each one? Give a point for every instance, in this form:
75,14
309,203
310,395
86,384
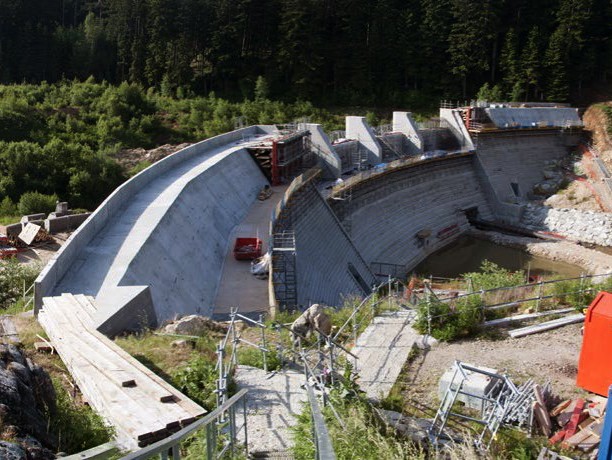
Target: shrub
13,277
77,427
198,381
7,207
450,321
576,293
34,203
492,276
249,356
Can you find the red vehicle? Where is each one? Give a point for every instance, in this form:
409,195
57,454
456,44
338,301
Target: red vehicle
247,248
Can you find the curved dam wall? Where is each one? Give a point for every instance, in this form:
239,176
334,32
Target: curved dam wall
520,158
402,215
156,245
328,267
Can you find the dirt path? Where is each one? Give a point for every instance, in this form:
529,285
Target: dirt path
549,356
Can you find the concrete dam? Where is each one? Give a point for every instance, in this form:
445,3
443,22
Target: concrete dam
335,212
364,202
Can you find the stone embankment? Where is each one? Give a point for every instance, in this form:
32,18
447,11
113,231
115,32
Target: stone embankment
577,225
26,394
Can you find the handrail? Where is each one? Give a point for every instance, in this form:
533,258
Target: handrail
507,288
323,446
173,442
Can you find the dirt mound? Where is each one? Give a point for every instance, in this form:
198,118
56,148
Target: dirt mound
596,121
129,158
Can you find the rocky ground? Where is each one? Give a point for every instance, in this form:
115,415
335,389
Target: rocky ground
548,356
129,158
27,394
593,262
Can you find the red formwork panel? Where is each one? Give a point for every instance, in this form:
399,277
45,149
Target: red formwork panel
595,365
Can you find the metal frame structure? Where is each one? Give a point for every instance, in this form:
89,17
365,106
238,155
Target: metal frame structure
504,403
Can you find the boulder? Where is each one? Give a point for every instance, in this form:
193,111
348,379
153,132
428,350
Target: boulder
194,325
407,427
27,394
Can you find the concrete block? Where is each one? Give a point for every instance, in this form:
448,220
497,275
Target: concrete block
405,124
125,308
358,129
476,384
65,223
324,149
61,207
11,230
32,217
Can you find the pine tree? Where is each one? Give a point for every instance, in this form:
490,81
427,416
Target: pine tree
557,87
530,64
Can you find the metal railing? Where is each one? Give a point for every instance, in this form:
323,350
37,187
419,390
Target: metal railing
28,296
220,428
513,296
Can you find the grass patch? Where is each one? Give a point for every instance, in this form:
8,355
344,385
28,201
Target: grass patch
11,219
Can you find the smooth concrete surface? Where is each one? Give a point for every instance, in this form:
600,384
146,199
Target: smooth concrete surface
171,236
238,288
405,124
382,350
358,129
71,252
455,122
324,149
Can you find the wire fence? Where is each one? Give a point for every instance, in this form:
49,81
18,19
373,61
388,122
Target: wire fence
576,292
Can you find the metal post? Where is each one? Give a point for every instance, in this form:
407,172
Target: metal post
232,428
221,380
265,346
331,360
389,293
428,303
210,450
539,296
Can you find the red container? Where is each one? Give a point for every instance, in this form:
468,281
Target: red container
247,248
595,365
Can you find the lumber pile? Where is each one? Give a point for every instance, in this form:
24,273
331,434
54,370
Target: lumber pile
574,423
141,406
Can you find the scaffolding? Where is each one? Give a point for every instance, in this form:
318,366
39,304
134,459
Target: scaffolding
502,403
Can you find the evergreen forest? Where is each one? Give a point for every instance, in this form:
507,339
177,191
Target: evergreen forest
80,80
404,53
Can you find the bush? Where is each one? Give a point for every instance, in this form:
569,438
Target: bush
77,427
35,203
198,381
450,320
13,277
249,356
7,207
493,276
575,293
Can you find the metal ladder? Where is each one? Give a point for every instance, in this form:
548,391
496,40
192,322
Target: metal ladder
284,277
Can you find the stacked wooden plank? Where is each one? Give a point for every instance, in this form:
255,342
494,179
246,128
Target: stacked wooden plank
580,423
140,405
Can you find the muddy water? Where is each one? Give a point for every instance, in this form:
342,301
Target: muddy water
467,253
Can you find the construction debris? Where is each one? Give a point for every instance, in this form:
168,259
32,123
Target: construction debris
502,403
548,325
261,267
578,423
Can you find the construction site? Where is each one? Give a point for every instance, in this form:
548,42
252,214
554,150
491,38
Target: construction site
324,217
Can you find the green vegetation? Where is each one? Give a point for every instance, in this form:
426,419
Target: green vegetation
453,319
401,53
14,276
362,435
607,110
60,141
77,426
